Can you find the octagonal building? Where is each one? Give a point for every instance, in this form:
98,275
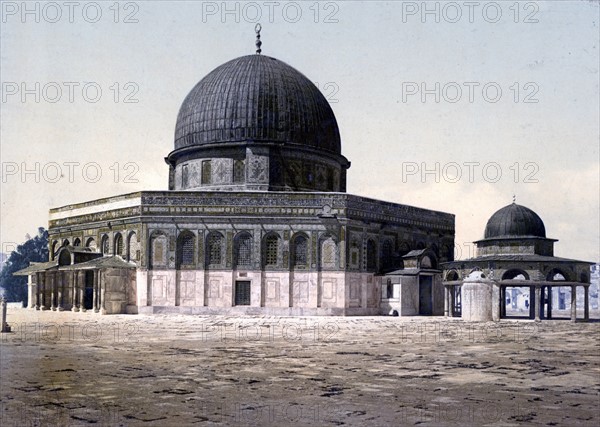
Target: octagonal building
256,219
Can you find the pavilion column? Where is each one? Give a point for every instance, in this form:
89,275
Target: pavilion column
502,301
537,302
549,302
446,301
586,303
532,302
451,300
573,303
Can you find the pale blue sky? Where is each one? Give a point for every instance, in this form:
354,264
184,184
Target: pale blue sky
373,52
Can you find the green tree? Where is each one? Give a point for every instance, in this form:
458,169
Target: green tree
33,250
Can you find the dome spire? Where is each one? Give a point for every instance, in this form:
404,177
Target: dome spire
258,43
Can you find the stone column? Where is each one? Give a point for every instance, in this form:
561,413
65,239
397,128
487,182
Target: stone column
42,291
52,291
60,290
502,301
446,301
550,289
4,326
37,290
537,302
74,306
586,303
80,294
451,302
573,303
101,296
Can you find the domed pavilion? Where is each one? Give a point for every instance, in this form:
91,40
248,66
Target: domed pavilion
256,219
516,260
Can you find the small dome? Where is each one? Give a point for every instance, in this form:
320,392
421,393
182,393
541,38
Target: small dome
515,221
257,99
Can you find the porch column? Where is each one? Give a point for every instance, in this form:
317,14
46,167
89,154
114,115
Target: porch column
74,306
573,303
80,293
101,295
60,289
586,303
538,302
42,291
52,291
502,302
451,300
95,293
38,281
550,302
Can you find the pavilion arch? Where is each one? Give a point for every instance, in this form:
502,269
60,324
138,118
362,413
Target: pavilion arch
133,247
158,246
77,242
242,249
514,273
300,250
328,252
118,244
271,244
452,276
215,250
557,275
104,245
186,249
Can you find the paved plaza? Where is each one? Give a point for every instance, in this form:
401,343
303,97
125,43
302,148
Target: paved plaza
72,369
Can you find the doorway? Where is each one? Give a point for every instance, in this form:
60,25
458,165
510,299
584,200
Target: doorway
425,296
242,292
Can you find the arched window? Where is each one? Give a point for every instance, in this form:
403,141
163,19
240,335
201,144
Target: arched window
214,252
185,249
77,242
354,254
387,255
118,244
133,247
420,245
452,276
271,250
404,249
515,274
206,177
300,252
239,171
371,255
243,250
328,253
158,249
90,243
104,246
66,243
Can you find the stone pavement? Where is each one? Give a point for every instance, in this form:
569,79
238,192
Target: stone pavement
72,369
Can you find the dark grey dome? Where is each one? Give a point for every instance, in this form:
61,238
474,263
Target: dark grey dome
515,221
257,98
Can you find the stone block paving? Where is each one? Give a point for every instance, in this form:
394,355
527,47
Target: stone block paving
81,369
